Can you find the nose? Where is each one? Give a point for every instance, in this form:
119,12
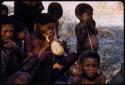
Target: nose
8,34
91,68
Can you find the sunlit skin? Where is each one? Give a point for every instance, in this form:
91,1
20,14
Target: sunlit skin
90,66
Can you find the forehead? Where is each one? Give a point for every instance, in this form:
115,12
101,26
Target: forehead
46,27
90,61
50,24
88,12
7,26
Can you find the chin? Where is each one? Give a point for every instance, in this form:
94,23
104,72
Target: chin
91,75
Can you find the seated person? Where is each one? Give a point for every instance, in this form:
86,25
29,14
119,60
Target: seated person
90,64
38,43
8,48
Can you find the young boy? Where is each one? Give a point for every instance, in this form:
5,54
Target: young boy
85,30
90,64
8,48
38,44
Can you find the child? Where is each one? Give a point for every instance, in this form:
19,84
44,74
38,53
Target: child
8,48
85,30
37,44
90,64
61,63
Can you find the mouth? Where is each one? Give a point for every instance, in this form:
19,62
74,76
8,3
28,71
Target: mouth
91,71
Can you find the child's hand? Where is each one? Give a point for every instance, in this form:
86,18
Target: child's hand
10,44
49,38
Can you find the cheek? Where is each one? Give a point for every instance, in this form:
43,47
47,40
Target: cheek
36,42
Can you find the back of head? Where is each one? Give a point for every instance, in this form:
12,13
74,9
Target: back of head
45,18
89,54
82,8
23,8
55,9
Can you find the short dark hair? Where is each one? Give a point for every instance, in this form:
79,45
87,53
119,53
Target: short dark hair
55,9
82,8
6,20
45,18
89,54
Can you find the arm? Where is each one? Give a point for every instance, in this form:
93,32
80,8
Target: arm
92,27
80,32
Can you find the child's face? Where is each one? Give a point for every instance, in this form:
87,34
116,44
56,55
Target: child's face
6,32
47,29
86,16
90,66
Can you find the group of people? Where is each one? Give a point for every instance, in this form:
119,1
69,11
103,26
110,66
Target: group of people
26,53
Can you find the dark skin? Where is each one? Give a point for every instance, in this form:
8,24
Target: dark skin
90,75
39,46
86,22
7,35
